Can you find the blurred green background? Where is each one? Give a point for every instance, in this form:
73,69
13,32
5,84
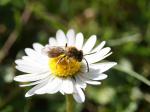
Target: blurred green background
124,24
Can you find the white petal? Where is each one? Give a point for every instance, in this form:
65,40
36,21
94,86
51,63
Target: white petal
32,91
52,41
71,37
67,86
93,82
103,66
23,62
80,83
27,69
85,79
62,92
61,38
38,59
38,47
53,86
33,60
79,95
31,65
30,52
96,76
88,46
98,56
100,77
31,77
30,69
79,41
99,47
34,83
35,56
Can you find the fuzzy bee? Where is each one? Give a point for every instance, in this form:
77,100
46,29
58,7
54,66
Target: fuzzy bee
69,52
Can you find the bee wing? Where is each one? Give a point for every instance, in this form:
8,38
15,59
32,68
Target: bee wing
55,52
45,49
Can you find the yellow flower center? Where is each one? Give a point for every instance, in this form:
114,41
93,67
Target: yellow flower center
64,66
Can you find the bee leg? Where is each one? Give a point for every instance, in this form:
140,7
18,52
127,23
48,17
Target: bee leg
60,60
68,62
87,64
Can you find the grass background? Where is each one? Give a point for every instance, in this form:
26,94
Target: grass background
124,24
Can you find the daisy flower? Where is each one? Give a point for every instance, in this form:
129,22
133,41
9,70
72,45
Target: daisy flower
66,65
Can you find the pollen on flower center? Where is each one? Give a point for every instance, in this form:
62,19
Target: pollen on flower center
64,67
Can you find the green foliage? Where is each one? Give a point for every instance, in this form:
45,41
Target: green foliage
124,24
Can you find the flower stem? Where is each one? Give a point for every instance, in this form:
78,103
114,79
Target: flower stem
69,103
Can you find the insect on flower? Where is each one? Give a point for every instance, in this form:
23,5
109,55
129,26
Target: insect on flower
66,65
68,52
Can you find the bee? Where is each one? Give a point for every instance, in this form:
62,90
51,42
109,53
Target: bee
69,52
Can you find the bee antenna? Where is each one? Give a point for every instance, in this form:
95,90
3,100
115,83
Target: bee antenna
87,64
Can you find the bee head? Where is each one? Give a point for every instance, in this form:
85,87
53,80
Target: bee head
79,55
74,53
